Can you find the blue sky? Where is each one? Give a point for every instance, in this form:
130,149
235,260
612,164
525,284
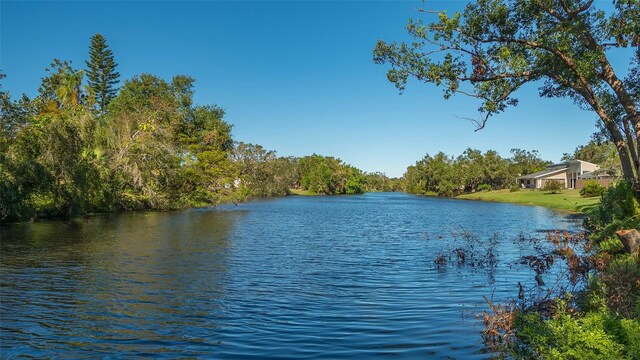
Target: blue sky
296,77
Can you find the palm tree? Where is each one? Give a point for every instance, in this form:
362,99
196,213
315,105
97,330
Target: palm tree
68,91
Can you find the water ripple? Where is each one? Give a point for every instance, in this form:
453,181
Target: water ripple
300,277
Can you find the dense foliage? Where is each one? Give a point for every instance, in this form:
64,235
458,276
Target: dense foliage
328,175
262,172
77,149
619,209
471,171
377,181
596,314
152,149
594,335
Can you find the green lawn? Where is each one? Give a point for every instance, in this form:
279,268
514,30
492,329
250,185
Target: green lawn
567,200
301,192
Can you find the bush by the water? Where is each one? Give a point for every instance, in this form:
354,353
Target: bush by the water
515,188
553,186
484,187
593,335
592,189
619,209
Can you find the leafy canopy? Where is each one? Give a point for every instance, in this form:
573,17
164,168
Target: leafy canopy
494,47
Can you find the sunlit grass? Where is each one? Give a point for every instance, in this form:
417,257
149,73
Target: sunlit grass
567,200
301,192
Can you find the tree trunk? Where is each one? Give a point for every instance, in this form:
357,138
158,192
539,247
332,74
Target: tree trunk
625,160
630,239
628,167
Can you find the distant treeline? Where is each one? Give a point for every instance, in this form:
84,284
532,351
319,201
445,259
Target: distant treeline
85,145
445,175
448,176
262,173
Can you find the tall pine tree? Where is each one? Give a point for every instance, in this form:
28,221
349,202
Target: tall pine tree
101,72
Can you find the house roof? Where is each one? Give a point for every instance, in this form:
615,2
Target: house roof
566,163
582,161
542,173
553,169
595,175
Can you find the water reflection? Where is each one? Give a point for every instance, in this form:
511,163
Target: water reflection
106,282
332,277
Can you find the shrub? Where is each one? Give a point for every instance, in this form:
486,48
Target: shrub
618,202
553,186
594,335
515,188
621,280
591,189
484,187
618,209
611,245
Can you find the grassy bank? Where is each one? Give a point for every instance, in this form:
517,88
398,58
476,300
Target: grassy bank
301,192
568,200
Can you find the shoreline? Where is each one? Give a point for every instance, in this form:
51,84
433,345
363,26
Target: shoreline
567,201
533,198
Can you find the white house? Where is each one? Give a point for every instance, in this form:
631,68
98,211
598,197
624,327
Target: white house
572,174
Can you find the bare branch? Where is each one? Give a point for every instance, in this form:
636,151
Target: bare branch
479,124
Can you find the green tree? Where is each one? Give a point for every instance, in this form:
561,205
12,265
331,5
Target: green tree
164,152
412,181
65,151
526,162
328,175
68,91
101,72
496,170
139,143
262,172
448,176
377,181
48,165
153,149
60,88
495,47
206,172
603,154
439,174
14,115
471,167
20,174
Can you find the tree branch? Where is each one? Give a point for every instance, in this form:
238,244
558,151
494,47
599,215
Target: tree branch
525,74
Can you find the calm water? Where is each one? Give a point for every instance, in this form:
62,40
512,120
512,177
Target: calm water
297,277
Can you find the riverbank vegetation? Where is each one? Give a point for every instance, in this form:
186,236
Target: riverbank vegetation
593,309
472,171
85,145
487,176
